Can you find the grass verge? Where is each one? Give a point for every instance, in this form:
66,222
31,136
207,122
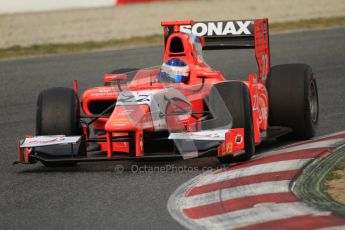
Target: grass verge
334,183
310,185
18,51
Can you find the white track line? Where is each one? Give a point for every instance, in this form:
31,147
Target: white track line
259,214
236,192
254,170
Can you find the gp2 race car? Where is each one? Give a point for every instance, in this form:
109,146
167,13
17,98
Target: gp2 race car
147,115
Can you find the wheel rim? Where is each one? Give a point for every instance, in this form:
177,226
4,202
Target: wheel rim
313,102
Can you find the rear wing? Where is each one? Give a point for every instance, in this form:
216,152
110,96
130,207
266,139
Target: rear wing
235,34
223,34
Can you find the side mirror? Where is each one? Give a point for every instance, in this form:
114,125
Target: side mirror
109,78
208,75
117,78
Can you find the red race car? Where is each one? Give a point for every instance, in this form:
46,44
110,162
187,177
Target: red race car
181,109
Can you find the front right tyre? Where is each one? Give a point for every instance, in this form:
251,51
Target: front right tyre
235,97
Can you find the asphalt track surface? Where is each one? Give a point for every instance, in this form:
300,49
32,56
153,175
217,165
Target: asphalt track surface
95,196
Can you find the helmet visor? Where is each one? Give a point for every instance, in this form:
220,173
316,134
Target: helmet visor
169,77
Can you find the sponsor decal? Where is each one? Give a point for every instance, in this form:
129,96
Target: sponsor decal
45,141
263,134
228,147
126,112
254,87
201,135
221,28
263,115
103,92
256,102
135,97
238,139
265,66
265,30
225,148
48,140
211,135
141,143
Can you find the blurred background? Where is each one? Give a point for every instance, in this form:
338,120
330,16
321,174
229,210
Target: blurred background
40,22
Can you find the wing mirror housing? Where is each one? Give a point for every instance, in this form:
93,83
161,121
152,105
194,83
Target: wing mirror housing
115,78
109,78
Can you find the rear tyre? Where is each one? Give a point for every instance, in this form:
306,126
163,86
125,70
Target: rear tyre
58,113
292,91
236,98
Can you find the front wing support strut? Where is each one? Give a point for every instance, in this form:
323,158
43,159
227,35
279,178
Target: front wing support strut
138,143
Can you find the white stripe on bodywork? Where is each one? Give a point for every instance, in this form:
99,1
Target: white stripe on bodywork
236,192
259,214
255,170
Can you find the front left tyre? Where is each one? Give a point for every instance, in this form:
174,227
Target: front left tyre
58,113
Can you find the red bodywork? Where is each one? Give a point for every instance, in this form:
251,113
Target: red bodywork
199,71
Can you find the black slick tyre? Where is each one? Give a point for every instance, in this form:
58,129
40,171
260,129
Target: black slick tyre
236,99
293,99
58,113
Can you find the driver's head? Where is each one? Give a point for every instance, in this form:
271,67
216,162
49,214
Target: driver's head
175,70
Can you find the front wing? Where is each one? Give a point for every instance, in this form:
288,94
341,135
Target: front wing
67,149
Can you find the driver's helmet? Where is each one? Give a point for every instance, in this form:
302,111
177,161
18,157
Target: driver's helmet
175,70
